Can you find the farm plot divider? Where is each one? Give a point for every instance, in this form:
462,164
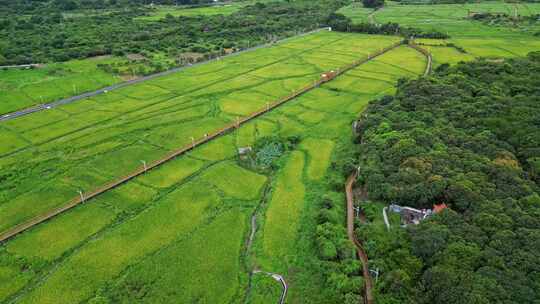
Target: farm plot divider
426,53
83,197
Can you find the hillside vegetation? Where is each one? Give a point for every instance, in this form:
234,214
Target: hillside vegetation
469,137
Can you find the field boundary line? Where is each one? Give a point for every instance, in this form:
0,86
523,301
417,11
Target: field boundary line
84,197
46,106
427,54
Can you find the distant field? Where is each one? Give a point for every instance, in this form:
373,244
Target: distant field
24,88
161,11
442,17
478,39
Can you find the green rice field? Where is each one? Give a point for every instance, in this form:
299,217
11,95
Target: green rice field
21,89
161,11
476,38
84,144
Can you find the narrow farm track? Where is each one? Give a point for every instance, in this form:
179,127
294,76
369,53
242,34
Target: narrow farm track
84,197
429,58
368,282
57,103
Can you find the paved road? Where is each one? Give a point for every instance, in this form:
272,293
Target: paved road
54,104
280,279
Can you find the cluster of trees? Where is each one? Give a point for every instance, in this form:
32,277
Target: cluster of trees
504,19
340,22
373,3
336,252
469,137
50,36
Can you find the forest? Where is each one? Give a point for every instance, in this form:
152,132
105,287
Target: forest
52,36
469,136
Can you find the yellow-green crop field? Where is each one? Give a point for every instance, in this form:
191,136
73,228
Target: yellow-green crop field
84,144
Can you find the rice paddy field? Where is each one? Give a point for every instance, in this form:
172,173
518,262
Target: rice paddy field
182,233
161,11
476,38
178,233
20,89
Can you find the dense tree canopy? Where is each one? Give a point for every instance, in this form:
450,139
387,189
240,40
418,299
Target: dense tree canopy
373,3
469,137
340,22
53,36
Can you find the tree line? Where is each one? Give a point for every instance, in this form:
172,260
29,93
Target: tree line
469,137
51,36
340,22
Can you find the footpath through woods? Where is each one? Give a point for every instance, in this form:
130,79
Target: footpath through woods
368,282
84,197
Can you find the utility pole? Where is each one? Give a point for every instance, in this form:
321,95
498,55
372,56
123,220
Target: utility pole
82,196
144,165
357,210
192,142
376,272
267,106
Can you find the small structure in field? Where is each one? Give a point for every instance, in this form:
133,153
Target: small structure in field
438,208
242,151
189,57
328,75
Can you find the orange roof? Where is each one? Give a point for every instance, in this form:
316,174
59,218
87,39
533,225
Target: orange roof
439,207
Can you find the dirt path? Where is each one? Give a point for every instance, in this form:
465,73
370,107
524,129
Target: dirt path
371,16
427,54
368,282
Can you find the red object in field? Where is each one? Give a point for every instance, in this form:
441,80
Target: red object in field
328,75
439,207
